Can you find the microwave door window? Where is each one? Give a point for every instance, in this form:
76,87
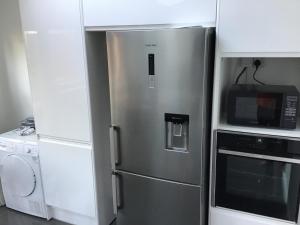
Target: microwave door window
268,109
263,109
258,186
246,109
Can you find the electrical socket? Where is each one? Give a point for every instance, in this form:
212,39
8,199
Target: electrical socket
261,62
249,62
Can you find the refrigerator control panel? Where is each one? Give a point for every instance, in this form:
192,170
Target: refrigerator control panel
151,64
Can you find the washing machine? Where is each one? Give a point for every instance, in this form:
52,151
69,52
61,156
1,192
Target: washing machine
20,174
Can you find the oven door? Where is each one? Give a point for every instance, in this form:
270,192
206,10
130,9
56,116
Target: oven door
263,185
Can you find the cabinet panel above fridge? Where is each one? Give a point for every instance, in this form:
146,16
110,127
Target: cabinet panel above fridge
144,12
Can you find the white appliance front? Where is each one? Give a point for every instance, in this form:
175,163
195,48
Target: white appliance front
5,147
21,178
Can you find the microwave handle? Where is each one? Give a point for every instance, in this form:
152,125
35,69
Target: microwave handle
259,156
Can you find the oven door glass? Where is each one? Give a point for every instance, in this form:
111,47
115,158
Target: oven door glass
258,186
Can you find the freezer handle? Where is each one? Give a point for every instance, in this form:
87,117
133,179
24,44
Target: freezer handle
114,145
117,185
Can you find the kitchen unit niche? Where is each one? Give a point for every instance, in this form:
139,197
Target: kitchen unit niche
273,71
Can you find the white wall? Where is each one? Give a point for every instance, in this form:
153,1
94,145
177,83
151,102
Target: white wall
15,99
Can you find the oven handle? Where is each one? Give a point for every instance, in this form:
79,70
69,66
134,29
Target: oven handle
259,156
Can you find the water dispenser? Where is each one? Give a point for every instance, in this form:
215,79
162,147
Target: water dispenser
177,132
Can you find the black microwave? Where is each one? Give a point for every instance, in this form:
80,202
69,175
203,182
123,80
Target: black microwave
273,106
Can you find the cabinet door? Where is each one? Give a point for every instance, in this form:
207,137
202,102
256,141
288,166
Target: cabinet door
55,54
67,174
141,12
259,26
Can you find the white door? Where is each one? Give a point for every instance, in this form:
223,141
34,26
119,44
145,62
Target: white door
259,26
55,54
18,177
142,12
67,172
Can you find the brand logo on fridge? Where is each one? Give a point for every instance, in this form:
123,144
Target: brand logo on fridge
151,45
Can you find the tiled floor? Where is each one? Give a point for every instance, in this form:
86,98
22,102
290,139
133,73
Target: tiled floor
10,217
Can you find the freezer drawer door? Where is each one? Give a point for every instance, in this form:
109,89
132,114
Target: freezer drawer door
147,201
157,87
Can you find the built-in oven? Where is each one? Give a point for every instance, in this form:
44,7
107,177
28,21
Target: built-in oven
257,174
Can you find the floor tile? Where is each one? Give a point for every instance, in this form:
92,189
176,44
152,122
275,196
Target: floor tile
11,217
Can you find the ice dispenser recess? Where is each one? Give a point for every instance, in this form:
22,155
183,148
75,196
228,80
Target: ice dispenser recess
177,132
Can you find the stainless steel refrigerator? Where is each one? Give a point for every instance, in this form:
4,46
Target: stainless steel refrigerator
160,92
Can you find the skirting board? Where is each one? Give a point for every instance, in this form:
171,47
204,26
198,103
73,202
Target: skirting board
70,217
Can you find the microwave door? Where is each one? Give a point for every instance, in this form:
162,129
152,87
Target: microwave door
251,107
260,110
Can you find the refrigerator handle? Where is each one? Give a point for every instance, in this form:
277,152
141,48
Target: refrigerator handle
114,145
117,187
114,192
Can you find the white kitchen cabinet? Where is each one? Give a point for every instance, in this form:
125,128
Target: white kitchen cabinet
55,53
67,171
248,26
145,12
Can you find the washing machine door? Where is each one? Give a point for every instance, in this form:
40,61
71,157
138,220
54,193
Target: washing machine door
18,176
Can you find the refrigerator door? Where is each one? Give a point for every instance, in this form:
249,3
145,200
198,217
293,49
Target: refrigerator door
147,201
157,85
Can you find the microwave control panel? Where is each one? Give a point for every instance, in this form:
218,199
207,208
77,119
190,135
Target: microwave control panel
290,111
291,106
